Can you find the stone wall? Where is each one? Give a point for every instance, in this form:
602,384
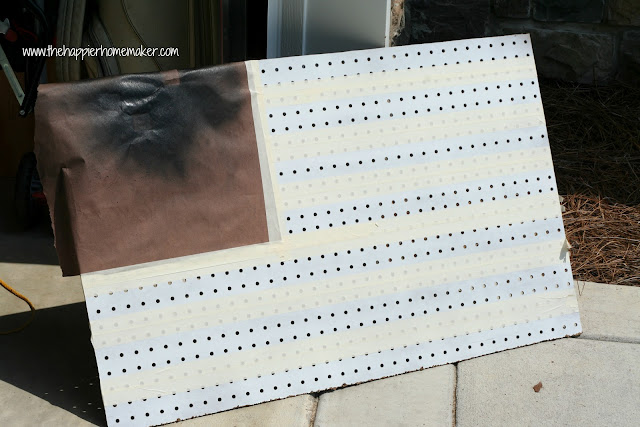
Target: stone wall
586,41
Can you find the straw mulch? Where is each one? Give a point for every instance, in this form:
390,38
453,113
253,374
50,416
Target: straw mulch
605,240
594,134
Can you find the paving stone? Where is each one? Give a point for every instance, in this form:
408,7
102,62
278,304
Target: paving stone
609,312
624,12
584,382
512,8
295,411
630,57
582,57
569,10
441,20
414,399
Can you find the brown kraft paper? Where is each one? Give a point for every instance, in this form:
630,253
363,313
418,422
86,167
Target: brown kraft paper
146,167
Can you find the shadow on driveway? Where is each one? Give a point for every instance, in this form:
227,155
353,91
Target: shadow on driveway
53,359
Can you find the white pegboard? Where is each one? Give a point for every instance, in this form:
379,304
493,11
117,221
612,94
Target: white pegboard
372,109
385,60
421,226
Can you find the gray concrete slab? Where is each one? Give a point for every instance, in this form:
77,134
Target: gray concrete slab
609,312
48,373
423,398
29,264
43,284
584,382
297,411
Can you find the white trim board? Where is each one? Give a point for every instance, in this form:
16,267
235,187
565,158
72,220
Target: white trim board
302,27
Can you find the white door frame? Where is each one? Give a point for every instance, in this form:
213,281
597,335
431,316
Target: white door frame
287,24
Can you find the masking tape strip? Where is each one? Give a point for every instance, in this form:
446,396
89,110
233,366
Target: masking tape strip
485,120
301,120
422,154
421,177
273,224
412,79
417,136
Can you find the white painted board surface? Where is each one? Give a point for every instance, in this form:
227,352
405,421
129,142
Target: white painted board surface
415,197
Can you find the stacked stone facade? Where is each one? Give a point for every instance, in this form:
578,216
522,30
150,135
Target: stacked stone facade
585,41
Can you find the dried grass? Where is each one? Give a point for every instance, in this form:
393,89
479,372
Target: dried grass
594,134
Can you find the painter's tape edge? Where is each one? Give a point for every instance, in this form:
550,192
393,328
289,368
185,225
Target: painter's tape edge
273,225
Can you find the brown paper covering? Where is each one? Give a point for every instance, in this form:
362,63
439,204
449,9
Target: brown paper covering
146,167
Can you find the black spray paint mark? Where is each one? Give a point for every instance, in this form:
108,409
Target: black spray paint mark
150,124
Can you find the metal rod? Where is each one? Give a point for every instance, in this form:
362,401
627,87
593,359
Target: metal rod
13,80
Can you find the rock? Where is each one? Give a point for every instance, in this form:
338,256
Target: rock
624,12
569,55
512,8
569,10
630,58
440,20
